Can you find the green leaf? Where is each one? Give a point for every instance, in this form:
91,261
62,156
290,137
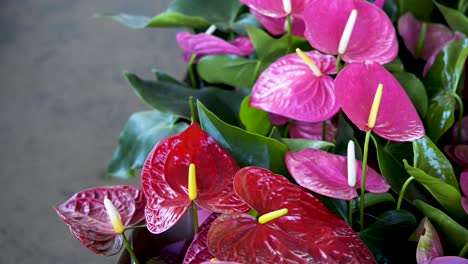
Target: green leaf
421,9
373,199
174,19
445,194
431,160
337,206
142,131
247,149
344,135
415,90
395,66
387,238
440,115
298,144
453,235
455,19
128,20
167,96
255,120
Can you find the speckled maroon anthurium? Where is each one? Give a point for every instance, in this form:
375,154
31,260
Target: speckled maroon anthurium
397,119
289,88
307,233
429,246
164,178
371,37
89,222
198,251
464,188
327,174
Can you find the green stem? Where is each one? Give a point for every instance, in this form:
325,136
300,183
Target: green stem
195,217
421,40
289,33
464,251
460,117
363,179
350,212
402,192
129,249
324,131
338,64
192,109
191,68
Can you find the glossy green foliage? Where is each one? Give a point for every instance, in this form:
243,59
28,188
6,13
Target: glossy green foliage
344,134
455,19
421,9
254,120
298,144
440,115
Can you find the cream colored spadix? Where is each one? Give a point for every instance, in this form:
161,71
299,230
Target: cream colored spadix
348,30
287,6
192,183
114,216
352,173
375,107
272,215
309,63
210,30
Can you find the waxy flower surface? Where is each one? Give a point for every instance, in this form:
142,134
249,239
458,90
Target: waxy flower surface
289,88
307,233
372,36
326,174
198,251
87,217
164,178
397,119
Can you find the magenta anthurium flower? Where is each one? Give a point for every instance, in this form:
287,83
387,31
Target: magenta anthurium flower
464,188
397,119
293,226
327,174
429,246
369,34
86,215
206,44
165,180
449,260
277,25
437,37
277,8
313,131
458,153
289,88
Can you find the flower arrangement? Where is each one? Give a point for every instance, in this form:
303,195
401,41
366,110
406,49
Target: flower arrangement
307,131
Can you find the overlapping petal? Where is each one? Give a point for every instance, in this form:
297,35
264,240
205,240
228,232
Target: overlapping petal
373,37
275,8
198,251
306,130
289,88
277,25
165,178
326,174
308,233
89,222
397,119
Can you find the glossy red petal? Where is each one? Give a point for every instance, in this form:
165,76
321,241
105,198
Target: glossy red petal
306,130
198,251
87,217
289,88
397,119
373,37
326,174
165,178
308,233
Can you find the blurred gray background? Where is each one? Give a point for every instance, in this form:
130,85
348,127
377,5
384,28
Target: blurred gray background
63,103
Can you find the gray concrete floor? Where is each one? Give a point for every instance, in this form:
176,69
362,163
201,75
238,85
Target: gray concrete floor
63,103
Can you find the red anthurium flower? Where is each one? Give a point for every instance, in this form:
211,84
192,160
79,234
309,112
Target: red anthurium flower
429,246
302,230
369,34
198,251
289,88
165,173
437,37
206,44
89,222
464,188
397,119
327,174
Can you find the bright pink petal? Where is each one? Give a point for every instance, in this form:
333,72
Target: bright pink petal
165,177
277,25
89,222
397,119
449,260
289,88
326,174
429,245
274,8
373,37
308,233
198,251
298,129
379,3
244,44
278,120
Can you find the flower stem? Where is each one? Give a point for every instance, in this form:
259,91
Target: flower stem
289,33
363,179
338,64
135,227
129,249
324,131
191,68
403,190
350,213
195,217
463,251
460,117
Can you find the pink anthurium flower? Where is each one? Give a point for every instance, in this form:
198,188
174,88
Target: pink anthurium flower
165,180
429,246
356,30
327,174
277,8
464,188
397,119
305,130
437,36
86,215
290,88
277,25
293,227
458,153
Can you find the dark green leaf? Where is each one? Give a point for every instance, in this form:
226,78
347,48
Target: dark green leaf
453,235
421,9
247,149
440,115
298,144
395,66
415,90
255,120
373,199
337,206
162,76
456,19
344,135
142,131
276,134
174,19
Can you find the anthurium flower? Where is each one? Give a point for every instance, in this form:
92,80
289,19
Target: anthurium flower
277,8
327,174
397,119
198,251
290,88
431,37
369,34
458,153
165,180
278,25
206,44
313,131
464,188
429,246
307,233
86,215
